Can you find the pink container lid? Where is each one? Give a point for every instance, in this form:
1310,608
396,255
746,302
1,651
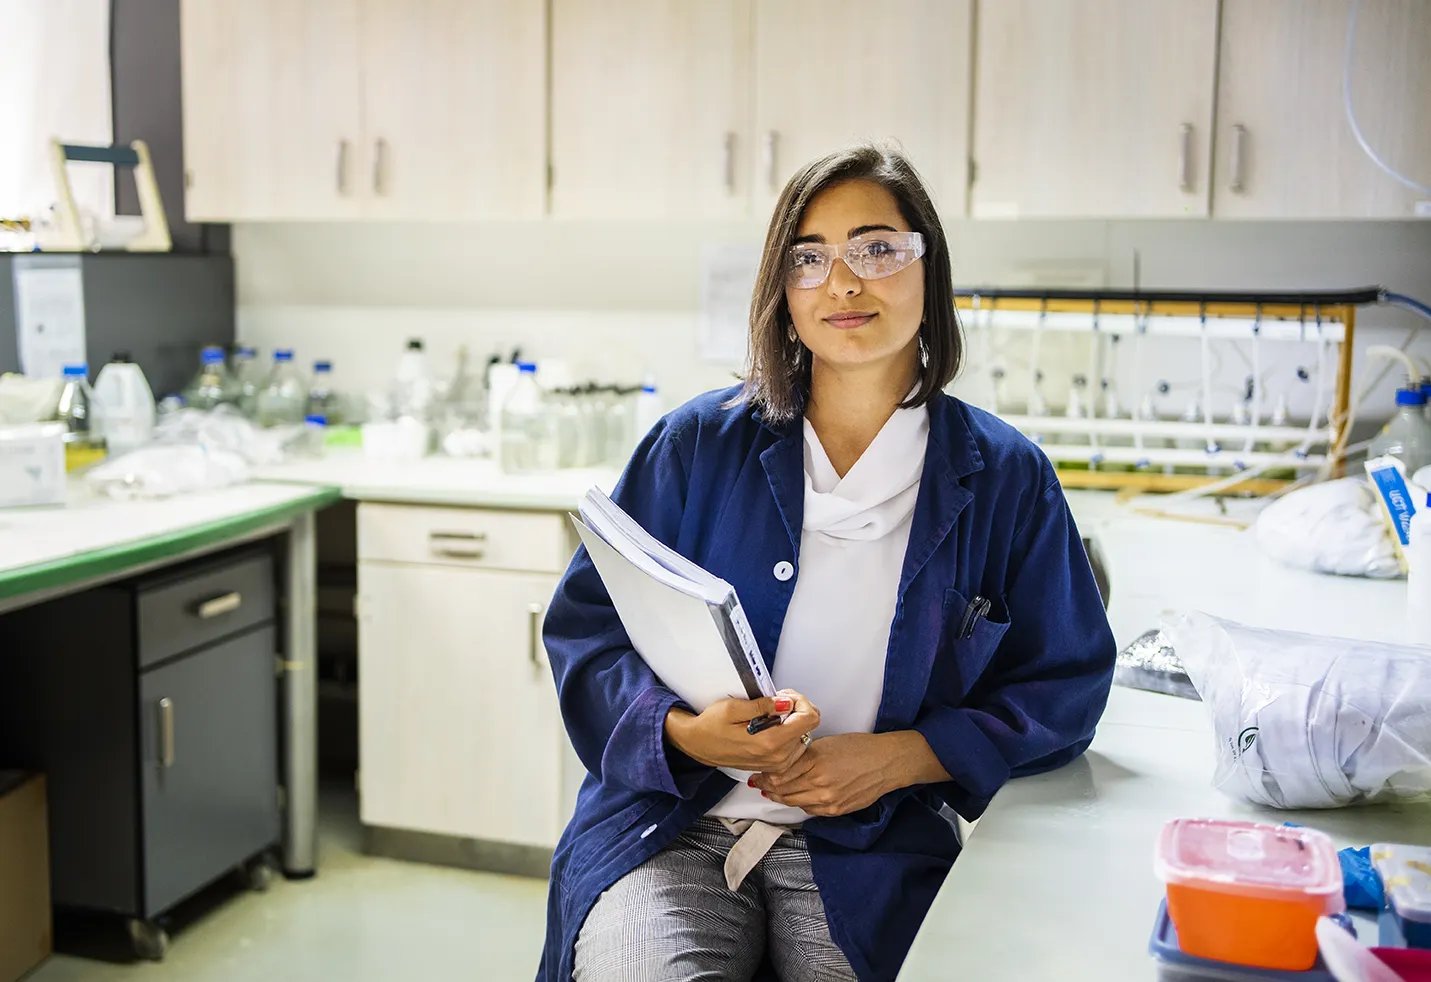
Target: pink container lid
1274,862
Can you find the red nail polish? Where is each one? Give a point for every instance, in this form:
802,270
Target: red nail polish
765,794
783,704
750,782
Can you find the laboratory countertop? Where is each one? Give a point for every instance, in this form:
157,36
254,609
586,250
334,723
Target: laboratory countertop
89,536
440,481
1056,882
1154,564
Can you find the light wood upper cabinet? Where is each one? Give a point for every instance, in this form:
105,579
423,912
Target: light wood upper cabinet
272,120
1093,108
820,85
1284,146
385,109
454,100
650,108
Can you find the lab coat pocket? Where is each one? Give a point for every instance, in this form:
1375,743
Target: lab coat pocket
970,638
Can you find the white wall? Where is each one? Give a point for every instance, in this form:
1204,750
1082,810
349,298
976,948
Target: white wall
616,300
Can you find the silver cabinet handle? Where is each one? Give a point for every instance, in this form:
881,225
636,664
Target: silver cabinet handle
534,631
1239,159
166,733
380,153
218,606
772,144
728,162
1185,154
343,167
462,545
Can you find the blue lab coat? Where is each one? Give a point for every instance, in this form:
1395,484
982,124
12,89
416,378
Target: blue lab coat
1021,695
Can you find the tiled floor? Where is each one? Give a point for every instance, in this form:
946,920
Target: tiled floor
360,920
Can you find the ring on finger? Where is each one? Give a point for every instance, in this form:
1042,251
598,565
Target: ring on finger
805,739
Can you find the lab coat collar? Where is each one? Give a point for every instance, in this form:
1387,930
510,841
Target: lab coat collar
952,454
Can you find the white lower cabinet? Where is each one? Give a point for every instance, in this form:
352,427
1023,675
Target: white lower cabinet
459,729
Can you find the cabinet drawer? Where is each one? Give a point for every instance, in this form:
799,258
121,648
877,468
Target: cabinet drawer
537,542
184,611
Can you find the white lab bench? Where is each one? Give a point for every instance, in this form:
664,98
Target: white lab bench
51,552
1056,881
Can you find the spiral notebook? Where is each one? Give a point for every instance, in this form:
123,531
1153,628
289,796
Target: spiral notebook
684,622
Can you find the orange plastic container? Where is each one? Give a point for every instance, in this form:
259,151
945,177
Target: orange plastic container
1249,894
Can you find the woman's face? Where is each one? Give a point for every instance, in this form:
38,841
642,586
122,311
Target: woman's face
847,322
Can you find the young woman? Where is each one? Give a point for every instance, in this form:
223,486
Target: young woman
914,579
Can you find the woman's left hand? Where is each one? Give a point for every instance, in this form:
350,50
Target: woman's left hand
836,776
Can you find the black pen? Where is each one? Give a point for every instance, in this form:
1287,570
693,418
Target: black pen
978,607
762,723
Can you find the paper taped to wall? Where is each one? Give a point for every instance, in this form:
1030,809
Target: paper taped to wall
727,282
49,314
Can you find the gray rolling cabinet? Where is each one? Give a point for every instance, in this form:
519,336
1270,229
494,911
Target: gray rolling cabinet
151,707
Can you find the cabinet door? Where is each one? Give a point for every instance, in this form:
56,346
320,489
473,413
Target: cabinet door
1284,146
272,120
208,765
650,108
459,732
454,103
903,76
1093,108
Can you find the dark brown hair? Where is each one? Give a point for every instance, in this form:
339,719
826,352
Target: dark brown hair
777,377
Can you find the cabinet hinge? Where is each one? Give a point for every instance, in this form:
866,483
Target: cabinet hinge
188,178
282,798
278,666
973,171
551,175
357,779
357,607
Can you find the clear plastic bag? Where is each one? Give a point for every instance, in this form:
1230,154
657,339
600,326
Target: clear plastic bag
1334,527
163,470
1303,721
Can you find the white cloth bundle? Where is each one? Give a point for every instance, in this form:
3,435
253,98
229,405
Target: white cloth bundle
1303,721
1334,527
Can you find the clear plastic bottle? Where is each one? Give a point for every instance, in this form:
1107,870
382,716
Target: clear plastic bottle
284,396
412,385
648,409
76,409
323,399
124,405
529,442
1408,436
249,374
620,415
566,407
213,385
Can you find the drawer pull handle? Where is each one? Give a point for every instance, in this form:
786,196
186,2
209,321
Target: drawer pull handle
461,545
166,733
534,632
220,605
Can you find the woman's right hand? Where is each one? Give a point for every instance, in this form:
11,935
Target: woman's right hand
717,737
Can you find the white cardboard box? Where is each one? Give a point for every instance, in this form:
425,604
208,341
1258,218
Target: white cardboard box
32,464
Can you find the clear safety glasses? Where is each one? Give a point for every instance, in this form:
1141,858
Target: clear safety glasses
870,257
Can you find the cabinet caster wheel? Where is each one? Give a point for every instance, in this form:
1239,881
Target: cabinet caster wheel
149,940
259,876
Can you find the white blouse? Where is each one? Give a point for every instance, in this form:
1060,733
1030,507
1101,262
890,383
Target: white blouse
836,631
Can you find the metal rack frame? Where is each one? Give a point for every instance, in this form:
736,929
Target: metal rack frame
1208,316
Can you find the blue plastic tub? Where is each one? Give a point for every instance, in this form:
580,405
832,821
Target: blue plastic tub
1174,966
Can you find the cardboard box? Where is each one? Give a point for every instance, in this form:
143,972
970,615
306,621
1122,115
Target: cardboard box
25,925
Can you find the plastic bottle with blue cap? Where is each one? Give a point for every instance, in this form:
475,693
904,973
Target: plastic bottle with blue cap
1408,436
528,434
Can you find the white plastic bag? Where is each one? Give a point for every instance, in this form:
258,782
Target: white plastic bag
1303,721
1334,527
163,470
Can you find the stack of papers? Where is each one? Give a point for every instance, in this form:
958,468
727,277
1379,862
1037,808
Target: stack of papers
686,623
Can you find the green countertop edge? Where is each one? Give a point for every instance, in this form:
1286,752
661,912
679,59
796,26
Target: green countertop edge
113,559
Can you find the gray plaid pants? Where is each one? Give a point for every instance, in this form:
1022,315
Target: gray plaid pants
673,919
